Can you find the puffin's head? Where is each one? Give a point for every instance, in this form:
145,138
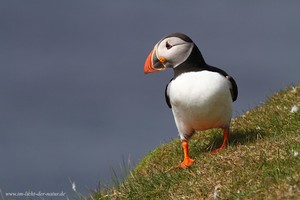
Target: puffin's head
169,52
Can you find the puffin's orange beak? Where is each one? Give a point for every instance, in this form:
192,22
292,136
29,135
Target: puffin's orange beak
152,63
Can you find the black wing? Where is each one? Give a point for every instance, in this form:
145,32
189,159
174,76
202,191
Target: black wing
234,88
167,95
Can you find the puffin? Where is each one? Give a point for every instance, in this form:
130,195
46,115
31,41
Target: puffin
199,95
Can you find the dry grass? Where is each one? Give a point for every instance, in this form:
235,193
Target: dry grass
261,161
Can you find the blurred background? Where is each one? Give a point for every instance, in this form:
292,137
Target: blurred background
74,101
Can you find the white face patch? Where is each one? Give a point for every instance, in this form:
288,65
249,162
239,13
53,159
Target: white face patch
174,50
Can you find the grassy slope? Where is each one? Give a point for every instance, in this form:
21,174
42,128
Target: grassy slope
261,161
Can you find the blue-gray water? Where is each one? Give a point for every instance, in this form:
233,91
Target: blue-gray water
74,101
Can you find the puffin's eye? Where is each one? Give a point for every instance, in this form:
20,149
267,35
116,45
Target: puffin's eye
168,45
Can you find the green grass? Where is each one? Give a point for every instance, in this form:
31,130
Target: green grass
261,161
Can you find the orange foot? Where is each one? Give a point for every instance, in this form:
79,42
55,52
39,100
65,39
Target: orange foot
225,137
186,163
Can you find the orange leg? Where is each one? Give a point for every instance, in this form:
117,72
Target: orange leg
225,138
187,161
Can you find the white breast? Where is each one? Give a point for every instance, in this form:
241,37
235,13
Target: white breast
200,101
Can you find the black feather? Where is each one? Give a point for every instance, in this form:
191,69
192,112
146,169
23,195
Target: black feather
234,89
167,96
